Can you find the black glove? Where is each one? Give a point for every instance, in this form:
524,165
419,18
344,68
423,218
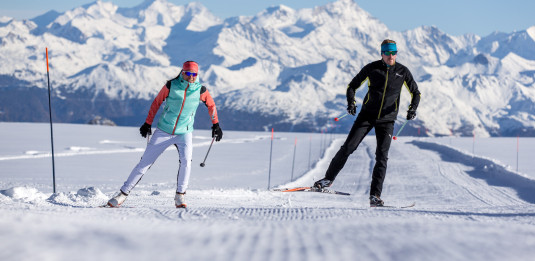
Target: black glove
411,114
217,132
145,129
352,108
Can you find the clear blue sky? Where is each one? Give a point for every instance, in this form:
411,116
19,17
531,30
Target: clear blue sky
455,17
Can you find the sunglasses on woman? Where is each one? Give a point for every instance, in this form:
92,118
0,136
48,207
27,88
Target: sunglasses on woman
190,74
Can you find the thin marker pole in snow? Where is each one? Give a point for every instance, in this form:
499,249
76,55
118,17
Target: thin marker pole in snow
451,134
473,143
321,143
331,135
51,130
270,154
517,150
309,150
293,161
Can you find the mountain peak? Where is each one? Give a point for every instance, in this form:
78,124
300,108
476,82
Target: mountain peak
164,13
279,9
150,6
5,19
275,16
343,7
102,9
531,32
46,18
94,10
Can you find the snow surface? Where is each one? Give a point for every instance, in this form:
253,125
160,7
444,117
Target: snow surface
468,206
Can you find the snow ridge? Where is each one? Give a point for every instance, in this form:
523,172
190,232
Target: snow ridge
290,67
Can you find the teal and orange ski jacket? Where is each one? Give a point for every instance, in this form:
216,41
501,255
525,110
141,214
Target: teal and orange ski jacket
181,101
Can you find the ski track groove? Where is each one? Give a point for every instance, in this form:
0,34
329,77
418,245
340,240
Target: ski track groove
299,214
478,189
260,214
461,185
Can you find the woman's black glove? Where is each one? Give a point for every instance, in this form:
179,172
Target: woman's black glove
145,129
217,132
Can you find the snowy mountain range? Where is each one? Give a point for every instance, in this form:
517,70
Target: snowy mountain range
281,68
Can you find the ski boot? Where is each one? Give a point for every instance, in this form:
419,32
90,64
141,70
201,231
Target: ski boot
376,201
116,201
180,202
322,184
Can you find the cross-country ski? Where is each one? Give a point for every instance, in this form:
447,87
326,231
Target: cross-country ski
312,189
402,206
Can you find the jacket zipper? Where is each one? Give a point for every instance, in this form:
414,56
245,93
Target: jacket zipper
181,108
384,93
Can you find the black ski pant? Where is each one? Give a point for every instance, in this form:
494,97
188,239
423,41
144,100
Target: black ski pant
361,128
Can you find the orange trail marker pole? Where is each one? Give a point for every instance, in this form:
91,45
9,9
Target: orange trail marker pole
51,130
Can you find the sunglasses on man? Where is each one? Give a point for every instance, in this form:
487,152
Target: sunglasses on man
388,53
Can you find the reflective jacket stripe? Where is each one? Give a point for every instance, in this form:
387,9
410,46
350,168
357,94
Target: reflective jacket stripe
181,108
384,93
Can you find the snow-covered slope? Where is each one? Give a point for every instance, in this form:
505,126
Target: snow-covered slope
281,67
467,206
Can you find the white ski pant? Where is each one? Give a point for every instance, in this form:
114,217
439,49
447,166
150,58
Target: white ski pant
159,142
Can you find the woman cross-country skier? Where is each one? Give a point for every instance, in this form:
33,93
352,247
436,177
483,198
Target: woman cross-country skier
379,110
182,95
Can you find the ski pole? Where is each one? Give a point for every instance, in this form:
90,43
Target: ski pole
397,134
202,164
339,118
270,156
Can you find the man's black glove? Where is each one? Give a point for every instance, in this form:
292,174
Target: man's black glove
145,129
411,114
217,132
352,108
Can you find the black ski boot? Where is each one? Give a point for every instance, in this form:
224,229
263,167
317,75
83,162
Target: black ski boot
376,202
322,183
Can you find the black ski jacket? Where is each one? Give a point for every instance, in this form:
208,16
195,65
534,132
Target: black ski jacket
384,89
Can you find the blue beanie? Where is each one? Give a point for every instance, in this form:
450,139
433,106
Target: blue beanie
389,47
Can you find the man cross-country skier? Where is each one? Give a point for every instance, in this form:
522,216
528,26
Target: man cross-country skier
182,96
379,111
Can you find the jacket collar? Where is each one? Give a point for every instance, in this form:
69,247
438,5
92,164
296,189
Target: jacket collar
386,65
